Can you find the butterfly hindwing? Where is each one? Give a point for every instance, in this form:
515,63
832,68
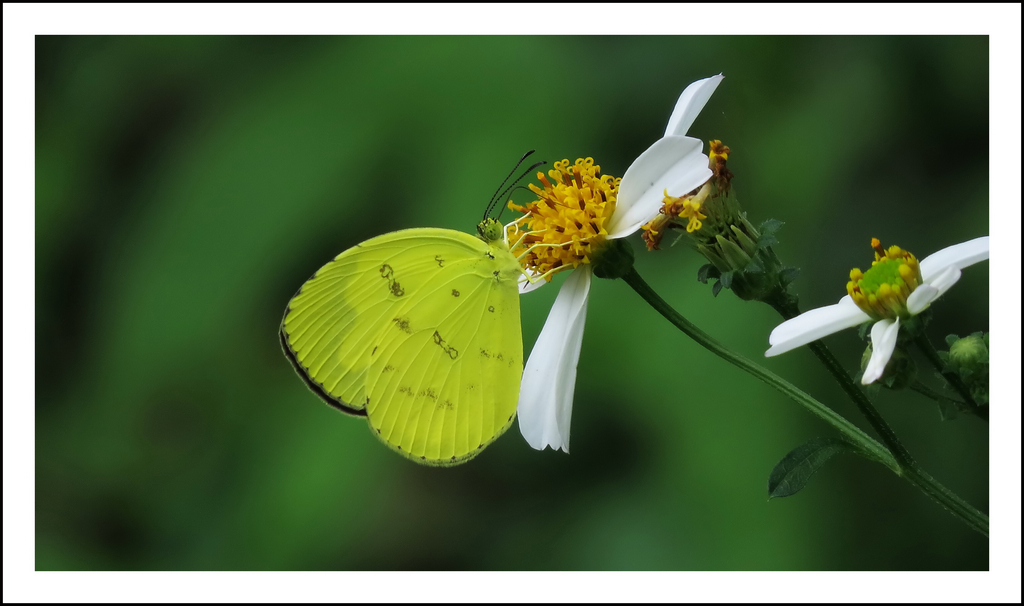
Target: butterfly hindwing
419,330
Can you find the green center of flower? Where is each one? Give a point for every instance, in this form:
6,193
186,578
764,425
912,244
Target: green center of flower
882,290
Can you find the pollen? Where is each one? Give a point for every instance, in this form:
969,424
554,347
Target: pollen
567,221
882,290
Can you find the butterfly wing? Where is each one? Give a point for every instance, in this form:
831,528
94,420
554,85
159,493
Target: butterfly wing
418,330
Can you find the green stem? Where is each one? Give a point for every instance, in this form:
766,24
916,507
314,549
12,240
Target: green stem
947,498
931,394
928,392
848,429
954,504
789,310
926,347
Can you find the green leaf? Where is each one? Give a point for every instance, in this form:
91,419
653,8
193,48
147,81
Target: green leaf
770,226
796,468
786,276
726,279
706,272
950,339
766,240
754,267
717,288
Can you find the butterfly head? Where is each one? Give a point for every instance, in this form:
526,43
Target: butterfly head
491,230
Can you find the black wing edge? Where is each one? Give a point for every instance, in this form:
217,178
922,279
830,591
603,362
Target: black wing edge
313,385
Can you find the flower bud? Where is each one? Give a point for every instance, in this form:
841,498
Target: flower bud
969,352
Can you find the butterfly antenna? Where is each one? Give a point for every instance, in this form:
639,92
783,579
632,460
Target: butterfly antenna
495,197
503,207
520,178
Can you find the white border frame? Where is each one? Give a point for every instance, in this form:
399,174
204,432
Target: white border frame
23,22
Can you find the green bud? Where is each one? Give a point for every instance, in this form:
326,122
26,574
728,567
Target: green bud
733,254
748,245
969,352
613,260
968,357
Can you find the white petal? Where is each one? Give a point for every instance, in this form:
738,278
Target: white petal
672,163
923,295
815,324
690,103
883,342
526,286
549,378
946,279
921,298
958,256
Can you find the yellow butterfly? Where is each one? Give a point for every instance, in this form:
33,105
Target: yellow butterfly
418,331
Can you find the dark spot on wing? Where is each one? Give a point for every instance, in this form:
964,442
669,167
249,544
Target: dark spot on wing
388,368
374,350
448,349
485,353
440,260
402,324
405,389
388,273
455,293
489,255
490,308
428,392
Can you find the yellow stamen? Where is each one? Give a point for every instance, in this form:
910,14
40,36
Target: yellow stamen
882,290
560,229
718,151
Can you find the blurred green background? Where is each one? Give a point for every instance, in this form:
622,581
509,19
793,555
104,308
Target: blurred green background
187,186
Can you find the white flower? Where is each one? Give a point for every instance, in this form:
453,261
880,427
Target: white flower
899,288
674,163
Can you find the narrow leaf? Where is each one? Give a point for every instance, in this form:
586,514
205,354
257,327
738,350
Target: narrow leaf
796,468
717,288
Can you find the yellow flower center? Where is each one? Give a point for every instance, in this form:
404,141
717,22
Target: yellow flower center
561,229
882,291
